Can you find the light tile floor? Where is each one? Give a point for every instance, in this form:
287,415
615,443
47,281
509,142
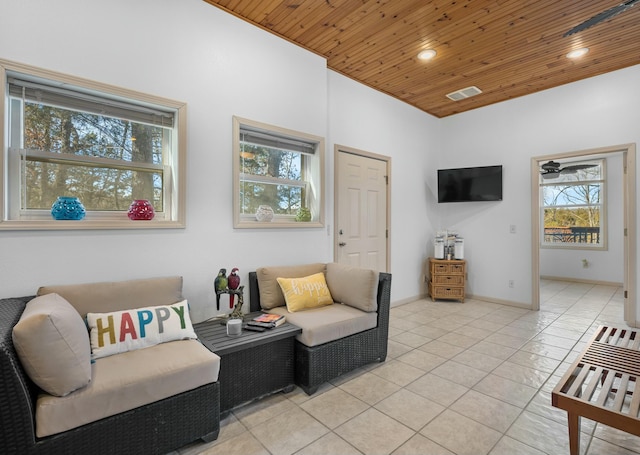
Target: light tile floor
465,379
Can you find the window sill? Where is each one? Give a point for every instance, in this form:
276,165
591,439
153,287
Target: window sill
247,224
573,247
61,225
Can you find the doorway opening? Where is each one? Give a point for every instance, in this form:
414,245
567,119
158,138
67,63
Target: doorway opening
628,152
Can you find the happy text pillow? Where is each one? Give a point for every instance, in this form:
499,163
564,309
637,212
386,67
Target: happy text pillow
122,331
306,292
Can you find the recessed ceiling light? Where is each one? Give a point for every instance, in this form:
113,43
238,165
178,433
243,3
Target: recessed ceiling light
427,54
577,53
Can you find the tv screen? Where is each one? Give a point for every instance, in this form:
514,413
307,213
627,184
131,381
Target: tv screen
470,184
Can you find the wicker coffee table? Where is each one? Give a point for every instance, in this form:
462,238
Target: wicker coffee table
252,365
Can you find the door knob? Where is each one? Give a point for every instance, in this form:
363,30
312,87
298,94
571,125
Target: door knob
341,244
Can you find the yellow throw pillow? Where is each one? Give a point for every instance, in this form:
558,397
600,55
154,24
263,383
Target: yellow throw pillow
305,293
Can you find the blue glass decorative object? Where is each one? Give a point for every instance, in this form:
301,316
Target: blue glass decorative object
67,208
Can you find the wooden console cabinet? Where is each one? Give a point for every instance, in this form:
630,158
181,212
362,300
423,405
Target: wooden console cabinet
447,279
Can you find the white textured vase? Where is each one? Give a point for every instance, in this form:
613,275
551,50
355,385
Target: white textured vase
264,213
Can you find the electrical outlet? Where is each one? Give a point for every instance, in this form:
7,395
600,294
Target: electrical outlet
512,228
511,283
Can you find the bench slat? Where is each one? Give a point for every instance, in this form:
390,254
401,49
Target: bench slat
622,392
606,388
593,383
576,386
635,401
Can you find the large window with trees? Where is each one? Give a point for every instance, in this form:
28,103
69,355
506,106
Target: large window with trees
107,146
278,176
573,206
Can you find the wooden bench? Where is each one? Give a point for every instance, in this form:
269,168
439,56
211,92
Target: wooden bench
601,384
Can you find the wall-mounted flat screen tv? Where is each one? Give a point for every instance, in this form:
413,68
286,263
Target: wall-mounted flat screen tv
470,184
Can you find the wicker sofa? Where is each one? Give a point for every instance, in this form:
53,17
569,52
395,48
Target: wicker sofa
317,363
154,428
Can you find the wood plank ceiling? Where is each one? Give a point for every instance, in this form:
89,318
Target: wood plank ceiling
506,48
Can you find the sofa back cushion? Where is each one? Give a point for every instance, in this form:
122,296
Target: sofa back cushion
271,295
353,286
52,343
119,295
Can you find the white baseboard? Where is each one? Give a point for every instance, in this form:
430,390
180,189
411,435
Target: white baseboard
483,298
467,297
409,300
580,280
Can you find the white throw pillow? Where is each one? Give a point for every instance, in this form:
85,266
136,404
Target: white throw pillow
122,331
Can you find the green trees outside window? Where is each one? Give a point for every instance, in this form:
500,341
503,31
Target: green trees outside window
106,145
280,169
106,162
573,207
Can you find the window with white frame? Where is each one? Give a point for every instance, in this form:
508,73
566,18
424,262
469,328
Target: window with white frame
64,136
278,176
573,205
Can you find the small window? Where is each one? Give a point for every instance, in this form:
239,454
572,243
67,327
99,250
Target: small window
573,205
104,145
278,176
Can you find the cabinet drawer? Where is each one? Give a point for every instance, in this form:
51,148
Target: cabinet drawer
447,269
445,292
448,280
440,269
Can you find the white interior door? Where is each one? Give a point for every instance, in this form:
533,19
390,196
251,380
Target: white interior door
362,229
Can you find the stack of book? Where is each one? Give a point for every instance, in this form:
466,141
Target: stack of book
267,320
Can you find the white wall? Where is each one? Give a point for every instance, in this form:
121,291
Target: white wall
376,123
220,66
607,265
596,112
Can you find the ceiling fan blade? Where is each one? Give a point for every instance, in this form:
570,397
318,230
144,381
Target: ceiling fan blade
576,167
603,16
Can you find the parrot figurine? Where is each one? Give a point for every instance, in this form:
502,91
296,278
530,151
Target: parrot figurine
234,283
220,284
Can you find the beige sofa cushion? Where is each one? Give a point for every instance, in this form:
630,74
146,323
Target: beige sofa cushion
52,343
119,295
353,286
321,325
271,295
129,380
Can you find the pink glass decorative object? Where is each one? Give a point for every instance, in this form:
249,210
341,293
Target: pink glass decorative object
141,209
